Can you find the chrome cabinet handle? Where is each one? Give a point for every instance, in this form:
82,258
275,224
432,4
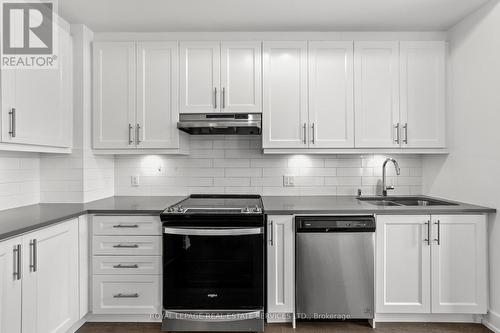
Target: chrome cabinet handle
33,256
215,98
405,127
428,239
313,138
17,262
438,239
126,226
137,134
130,134
271,233
304,127
120,295
396,127
126,266
123,246
223,99
12,116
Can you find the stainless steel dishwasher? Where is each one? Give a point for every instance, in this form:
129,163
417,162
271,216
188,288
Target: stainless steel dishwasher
334,267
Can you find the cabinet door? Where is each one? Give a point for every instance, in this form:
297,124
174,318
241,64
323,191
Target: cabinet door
331,104
285,115
10,287
423,94
376,100
114,94
41,100
241,68
200,77
402,264
50,280
280,264
157,95
459,264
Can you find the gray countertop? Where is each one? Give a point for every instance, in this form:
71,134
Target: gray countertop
14,222
281,205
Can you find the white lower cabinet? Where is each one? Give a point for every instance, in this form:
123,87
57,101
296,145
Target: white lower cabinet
39,280
10,286
126,265
431,264
280,267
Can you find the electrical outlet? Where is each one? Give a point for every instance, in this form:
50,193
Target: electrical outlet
134,181
288,181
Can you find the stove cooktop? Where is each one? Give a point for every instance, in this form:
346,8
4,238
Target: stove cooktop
217,204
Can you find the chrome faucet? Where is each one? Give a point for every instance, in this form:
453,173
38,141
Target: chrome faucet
398,171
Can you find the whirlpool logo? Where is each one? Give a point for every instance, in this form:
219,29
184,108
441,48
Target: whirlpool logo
29,34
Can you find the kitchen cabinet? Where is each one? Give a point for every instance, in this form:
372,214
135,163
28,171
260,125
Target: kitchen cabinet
241,77
37,104
219,76
376,94
200,77
39,281
280,267
331,105
459,264
422,94
10,286
285,111
431,264
126,264
135,95
50,298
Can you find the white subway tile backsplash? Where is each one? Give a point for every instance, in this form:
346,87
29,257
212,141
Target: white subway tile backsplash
235,164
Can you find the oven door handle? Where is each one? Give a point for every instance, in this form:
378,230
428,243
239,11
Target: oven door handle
212,318
213,232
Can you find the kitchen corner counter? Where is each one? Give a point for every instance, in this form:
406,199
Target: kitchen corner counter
17,221
292,205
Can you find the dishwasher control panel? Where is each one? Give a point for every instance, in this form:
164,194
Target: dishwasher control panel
335,223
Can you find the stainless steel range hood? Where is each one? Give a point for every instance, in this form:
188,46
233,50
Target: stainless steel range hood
221,123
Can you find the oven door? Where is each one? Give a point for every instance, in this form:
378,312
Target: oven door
213,268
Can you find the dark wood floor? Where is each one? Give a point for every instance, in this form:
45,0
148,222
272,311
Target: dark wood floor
340,327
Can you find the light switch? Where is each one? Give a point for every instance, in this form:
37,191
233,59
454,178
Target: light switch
288,181
134,180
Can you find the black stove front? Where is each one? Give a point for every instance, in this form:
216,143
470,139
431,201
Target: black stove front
213,265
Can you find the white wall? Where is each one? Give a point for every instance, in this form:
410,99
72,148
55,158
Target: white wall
19,179
235,164
80,176
471,172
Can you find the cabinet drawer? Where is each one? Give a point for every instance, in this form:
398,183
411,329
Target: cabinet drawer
126,294
127,245
126,225
126,265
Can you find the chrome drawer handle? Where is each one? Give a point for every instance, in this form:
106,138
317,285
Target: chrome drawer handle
126,266
122,246
126,226
120,295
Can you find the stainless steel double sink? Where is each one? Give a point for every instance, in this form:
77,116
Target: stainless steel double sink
405,201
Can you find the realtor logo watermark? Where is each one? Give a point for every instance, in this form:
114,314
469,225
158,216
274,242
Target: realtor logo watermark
29,34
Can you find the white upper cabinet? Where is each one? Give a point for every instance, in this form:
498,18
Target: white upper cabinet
285,115
37,105
241,88
376,94
200,77
136,95
114,94
331,105
459,264
157,95
423,94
